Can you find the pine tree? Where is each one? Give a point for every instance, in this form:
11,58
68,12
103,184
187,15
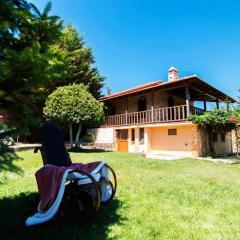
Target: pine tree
26,62
80,61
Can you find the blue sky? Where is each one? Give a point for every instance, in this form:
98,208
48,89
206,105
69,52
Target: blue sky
136,41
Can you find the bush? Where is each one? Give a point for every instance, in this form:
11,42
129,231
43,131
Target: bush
89,138
218,119
6,138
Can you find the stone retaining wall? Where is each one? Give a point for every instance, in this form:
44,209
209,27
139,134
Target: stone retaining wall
101,146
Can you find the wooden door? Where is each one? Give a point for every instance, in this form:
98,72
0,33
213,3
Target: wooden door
122,145
122,140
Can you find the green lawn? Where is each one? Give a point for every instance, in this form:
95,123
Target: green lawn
184,199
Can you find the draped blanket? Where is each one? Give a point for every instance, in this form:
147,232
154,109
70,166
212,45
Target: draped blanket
49,180
51,186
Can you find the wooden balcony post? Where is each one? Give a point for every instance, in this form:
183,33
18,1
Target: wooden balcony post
126,115
217,103
187,94
205,104
152,116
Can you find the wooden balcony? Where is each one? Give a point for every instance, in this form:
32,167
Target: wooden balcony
158,115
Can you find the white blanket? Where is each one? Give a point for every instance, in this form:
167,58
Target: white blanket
41,217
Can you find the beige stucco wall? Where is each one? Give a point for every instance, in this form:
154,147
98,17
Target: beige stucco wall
156,139
135,146
190,140
103,135
186,139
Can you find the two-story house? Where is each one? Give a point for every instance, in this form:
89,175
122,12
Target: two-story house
152,118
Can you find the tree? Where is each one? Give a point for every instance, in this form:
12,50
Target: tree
79,61
37,55
74,105
7,154
218,119
26,62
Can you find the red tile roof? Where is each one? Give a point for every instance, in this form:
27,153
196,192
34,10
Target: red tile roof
193,79
138,88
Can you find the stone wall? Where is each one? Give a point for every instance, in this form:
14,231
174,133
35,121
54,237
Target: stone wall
98,146
156,99
219,146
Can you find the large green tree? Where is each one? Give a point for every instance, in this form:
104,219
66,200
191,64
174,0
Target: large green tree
26,60
37,55
74,104
79,61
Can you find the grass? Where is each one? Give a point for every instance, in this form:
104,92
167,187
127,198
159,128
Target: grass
184,199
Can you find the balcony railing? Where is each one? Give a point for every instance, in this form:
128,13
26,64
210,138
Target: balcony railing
158,115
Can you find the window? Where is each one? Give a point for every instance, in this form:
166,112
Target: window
172,131
171,102
122,134
214,137
142,104
133,135
141,134
113,110
222,137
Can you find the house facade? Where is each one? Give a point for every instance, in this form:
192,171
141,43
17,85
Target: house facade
153,118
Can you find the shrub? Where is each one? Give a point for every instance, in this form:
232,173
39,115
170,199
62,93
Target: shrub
89,138
74,104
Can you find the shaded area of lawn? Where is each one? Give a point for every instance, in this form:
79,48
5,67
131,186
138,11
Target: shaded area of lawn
184,199
8,162
16,209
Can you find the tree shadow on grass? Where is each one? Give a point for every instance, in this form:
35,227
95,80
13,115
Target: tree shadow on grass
14,212
7,162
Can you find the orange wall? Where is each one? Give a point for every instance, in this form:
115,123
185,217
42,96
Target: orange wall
185,140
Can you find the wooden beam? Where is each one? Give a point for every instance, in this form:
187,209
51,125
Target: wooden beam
153,100
187,95
126,115
202,92
205,103
217,104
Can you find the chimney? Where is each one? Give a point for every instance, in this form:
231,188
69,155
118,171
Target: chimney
172,74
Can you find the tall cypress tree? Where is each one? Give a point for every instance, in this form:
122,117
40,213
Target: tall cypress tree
79,62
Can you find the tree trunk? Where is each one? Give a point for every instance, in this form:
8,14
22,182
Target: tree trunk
78,134
70,134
